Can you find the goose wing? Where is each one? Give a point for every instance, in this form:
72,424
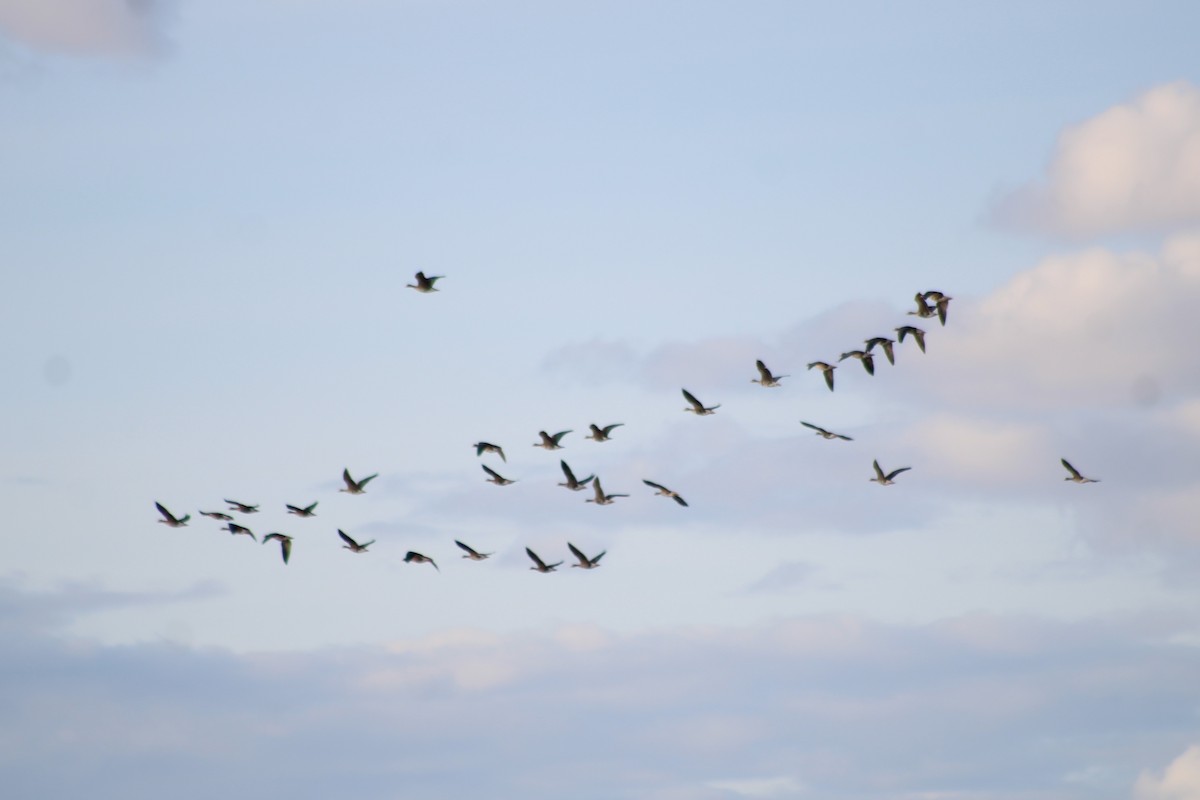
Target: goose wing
469,550
691,398
878,472
896,472
654,485
763,372
578,554
541,564
347,539
1074,472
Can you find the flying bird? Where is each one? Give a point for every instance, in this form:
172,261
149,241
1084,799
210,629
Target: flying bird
827,369
472,553
413,557
924,310
239,530
285,544
306,511
234,505
665,492
916,333
824,433
601,498
602,434
573,484
169,519
353,546
356,487
886,343
496,478
425,284
943,304
886,480
488,447
584,561
1075,476
766,379
221,515
868,361
539,565
550,442
698,408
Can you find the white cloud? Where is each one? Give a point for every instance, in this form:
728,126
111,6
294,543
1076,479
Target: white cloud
85,27
1133,167
1179,781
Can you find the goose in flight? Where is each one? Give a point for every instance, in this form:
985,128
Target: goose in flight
425,284
824,433
827,369
285,544
584,561
413,557
602,434
488,447
916,333
766,379
306,511
471,552
496,478
169,519
868,361
941,304
353,546
573,484
886,343
549,442
1075,476
601,498
698,408
221,515
234,505
353,486
924,310
665,492
240,530
539,565
886,480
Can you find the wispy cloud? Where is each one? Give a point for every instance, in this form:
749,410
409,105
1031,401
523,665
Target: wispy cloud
86,27
1133,167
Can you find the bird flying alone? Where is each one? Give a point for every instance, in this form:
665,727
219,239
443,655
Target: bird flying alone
242,507
413,557
698,408
539,565
827,369
602,434
353,486
601,498
1075,476
573,484
665,492
169,519
285,544
584,561
488,447
471,552
306,511
824,433
550,442
424,284
353,546
888,479
765,378
496,478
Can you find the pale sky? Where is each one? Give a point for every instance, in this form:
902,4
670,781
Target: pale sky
209,213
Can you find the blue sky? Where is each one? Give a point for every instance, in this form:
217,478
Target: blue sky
208,217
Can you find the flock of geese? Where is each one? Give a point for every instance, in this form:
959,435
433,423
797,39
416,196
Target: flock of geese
928,305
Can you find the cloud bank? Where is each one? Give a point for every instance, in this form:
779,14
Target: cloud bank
1134,167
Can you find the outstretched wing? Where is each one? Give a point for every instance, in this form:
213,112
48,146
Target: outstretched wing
367,480
679,500
878,472
691,398
347,539
578,553
536,560
654,485
896,472
470,550
816,428
1074,472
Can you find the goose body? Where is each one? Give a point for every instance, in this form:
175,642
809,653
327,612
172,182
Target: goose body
824,433
240,530
924,310
245,508
353,546
285,544
549,442
539,565
221,515
306,511
665,492
827,369
868,361
488,447
423,283
765,378
571,483
353,486
169,519
888,479
698,408
602,499
915,332
602,434
496,477
471,552
413,557
885,343
584,561
1075,476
